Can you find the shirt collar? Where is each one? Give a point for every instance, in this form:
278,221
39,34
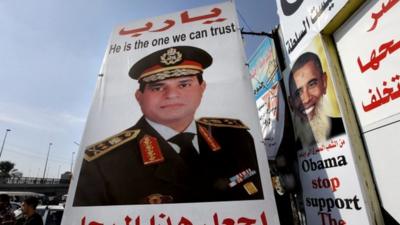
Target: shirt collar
167,132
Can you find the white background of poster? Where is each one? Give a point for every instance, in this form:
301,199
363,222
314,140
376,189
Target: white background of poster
228,94
345,188
380,125
301,21
353,42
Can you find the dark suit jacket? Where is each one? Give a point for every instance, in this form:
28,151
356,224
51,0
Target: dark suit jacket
119,176
337,127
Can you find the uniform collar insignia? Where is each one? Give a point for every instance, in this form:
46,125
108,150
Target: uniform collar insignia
150,150
98,149
212,143
222,122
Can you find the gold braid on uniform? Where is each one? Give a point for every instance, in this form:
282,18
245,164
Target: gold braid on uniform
222,122
98,149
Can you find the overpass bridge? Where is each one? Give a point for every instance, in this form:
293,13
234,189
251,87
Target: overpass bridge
47,186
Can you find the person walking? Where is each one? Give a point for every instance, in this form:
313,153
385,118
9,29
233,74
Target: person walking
29,210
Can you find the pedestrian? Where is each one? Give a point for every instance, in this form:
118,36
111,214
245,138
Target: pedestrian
29,210
7,216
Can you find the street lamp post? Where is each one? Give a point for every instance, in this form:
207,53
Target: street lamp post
58,172
4,141
72,161
73,153
47,159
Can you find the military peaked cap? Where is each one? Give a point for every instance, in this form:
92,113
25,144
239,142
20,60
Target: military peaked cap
171,62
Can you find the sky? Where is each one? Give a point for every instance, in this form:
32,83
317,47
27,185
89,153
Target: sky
51,53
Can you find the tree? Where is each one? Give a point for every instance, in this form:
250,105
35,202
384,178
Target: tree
7,170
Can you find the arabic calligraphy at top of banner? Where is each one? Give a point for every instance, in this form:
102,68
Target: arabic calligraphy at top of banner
176,28
309,18
377,15
184,18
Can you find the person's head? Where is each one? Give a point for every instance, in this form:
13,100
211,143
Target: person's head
307,85
4,201
171,84
29,205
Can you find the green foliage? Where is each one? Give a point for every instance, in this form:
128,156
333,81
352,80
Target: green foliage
6,167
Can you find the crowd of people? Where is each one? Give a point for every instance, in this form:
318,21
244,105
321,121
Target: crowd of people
28,207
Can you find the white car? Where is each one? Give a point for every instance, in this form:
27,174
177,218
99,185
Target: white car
51,214
15,205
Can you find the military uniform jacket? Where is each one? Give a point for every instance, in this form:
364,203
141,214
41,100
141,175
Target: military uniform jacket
137,166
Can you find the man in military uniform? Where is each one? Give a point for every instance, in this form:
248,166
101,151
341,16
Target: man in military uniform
167,156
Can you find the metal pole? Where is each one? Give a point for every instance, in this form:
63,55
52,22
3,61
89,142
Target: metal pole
72,161
58,172
47,159
73,153
4,141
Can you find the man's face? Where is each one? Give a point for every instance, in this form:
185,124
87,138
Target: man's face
308,86
171,101
24,208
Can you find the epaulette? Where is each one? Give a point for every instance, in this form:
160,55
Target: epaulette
222,122
98,149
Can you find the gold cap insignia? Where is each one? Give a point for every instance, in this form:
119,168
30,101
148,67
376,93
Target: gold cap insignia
171,57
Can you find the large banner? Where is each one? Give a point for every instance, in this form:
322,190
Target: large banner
172,135
302,20
368,45
328,175
265,76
